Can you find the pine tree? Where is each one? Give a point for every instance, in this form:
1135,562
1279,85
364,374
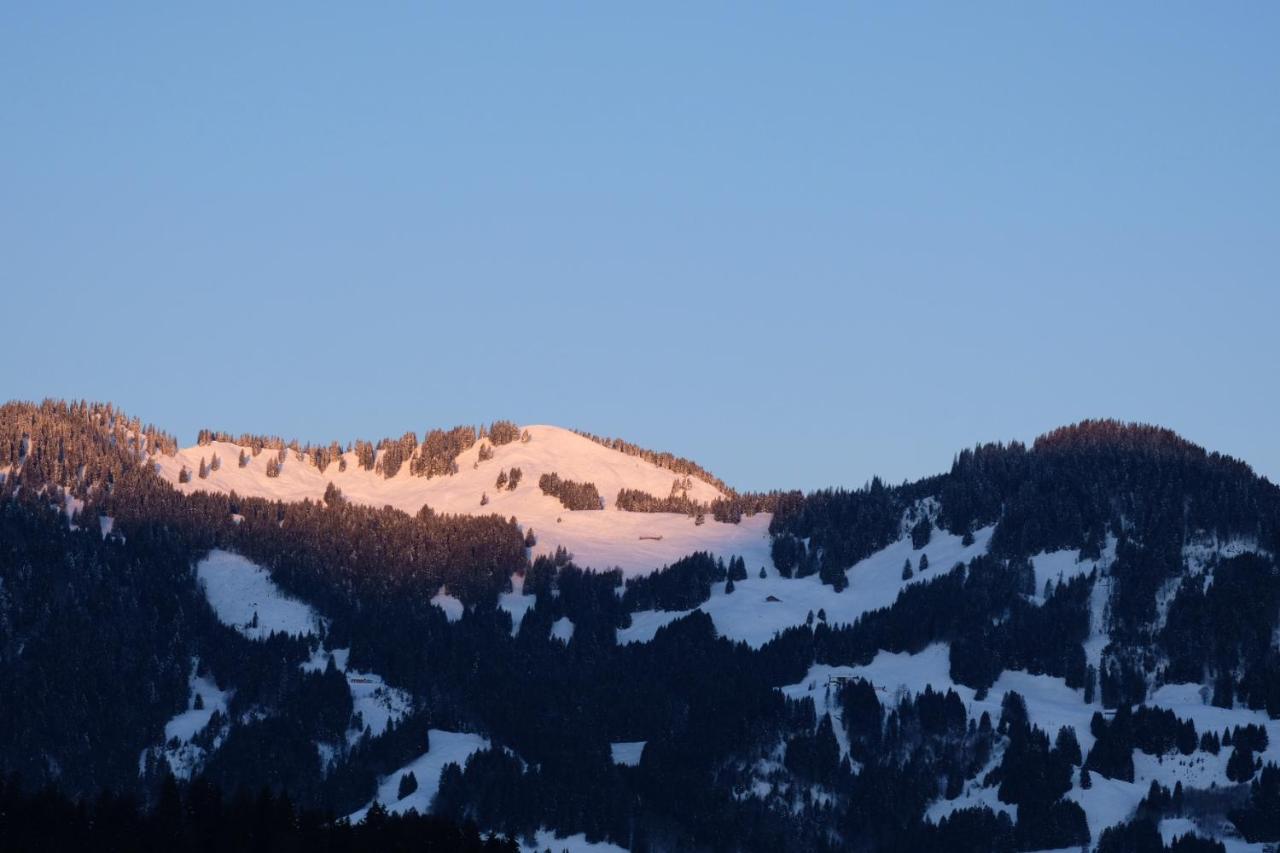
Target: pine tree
907,574
199,703
184,476
408,784
273,466
484,499
529,538
244,458
204,470
215,463
763,574
1086,782
924,562
728,586
1067,745
502,480
1240,765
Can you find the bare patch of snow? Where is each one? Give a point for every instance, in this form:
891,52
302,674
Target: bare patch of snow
627,752
516,602
545,839
445,748
747,613
452,607
239,590
562,629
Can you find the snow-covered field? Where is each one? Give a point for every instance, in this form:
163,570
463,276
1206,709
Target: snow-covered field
377,703
632,541
1051,704
240,590
747,613
627,752
445,748
546,840
183,755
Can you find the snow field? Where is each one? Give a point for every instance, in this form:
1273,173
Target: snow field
632,541
446,748
747,614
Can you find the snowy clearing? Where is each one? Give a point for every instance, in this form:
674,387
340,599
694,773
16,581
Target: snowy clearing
239,590
627,752
547,840
747,613
446,748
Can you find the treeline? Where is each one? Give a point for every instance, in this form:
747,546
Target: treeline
201,817
638,500
841,527
74,444
571,494
728,510
436,456
663,459
1076,483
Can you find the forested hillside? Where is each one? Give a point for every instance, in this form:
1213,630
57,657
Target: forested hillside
1057,645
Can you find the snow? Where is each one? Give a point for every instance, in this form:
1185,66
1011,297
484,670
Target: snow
547,840
1061,566
188,723
1174,827
1051,704
377,703
516,602
452,607
627,752
746,614
1205,549
562,629
185,757
597,539
446,748
238,588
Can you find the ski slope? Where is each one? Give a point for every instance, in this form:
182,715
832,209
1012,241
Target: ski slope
604,539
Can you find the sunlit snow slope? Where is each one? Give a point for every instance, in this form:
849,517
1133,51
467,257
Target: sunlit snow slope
633,541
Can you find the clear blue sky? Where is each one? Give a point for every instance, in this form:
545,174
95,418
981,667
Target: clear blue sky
801,243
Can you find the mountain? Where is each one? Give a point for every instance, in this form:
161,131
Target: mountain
1059,645
632,541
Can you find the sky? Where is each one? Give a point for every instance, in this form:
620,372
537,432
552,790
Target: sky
800,243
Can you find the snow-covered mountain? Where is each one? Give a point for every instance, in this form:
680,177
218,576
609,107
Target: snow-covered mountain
1072,644
632,541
